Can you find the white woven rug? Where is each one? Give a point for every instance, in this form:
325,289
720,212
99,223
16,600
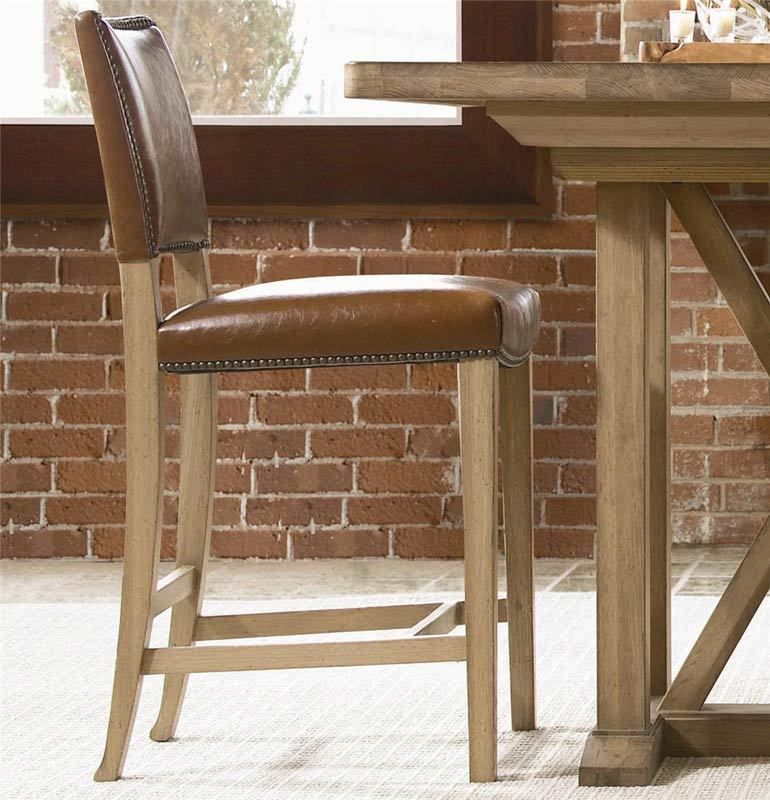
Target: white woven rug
348,734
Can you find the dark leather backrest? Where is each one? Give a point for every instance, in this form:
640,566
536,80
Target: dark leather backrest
146,139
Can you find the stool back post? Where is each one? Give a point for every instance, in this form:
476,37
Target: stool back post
157,205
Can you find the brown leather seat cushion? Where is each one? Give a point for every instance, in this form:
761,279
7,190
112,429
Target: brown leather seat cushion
352,319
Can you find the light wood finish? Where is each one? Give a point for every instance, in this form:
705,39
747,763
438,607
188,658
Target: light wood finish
721,731
478,401
622,759
325,620
704,53
198,417
236,658
724,628
626,216
144,502
659,387
632,127
671,125
675,107
477,83
661,165
726,262
516,444
174,588
441,620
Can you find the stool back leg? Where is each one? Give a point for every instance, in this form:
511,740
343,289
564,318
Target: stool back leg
144,503
198,419
478,392
196,489
516,445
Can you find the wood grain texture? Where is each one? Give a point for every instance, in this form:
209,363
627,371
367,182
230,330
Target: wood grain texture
719,731
198,422
676,126
704,53
622,759
731,270
326,620
145,423
478,401
516,447
661,165
724,629
476,83
174,588
238,658
673,106
624,223
659,387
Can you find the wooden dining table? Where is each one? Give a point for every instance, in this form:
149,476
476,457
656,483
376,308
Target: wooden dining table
651,135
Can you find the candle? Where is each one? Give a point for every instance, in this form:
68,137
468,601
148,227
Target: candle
722,22
682,25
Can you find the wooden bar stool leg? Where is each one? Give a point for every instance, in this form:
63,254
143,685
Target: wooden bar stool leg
516,444
144,505
196,491
478,382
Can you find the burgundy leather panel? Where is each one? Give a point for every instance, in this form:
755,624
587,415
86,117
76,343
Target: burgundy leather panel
146,139
355,316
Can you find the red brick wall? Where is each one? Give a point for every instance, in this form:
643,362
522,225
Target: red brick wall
363,461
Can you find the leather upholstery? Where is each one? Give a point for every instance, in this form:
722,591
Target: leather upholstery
146,138
356,319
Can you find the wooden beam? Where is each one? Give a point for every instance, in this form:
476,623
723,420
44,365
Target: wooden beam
726,262
237,658
724,628
630,124
626,220
297,623
176,586
729,731
660,165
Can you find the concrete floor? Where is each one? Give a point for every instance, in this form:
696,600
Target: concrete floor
695,571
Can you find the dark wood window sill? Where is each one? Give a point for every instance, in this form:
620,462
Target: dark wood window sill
470,170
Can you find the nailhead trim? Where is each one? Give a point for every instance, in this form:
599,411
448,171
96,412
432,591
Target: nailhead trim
322,361
184,246
139,24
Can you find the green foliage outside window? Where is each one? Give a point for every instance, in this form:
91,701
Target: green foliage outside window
234,56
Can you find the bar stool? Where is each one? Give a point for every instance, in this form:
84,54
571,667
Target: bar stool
157,205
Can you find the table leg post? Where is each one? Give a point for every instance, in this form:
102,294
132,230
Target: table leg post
625,749
659,379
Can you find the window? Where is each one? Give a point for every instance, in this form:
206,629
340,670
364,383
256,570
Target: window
282,140
250,61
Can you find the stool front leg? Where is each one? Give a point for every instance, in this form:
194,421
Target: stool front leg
145,422
478,393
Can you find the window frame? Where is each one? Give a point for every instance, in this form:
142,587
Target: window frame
471,170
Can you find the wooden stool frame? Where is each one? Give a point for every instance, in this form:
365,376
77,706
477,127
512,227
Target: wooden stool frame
482,386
